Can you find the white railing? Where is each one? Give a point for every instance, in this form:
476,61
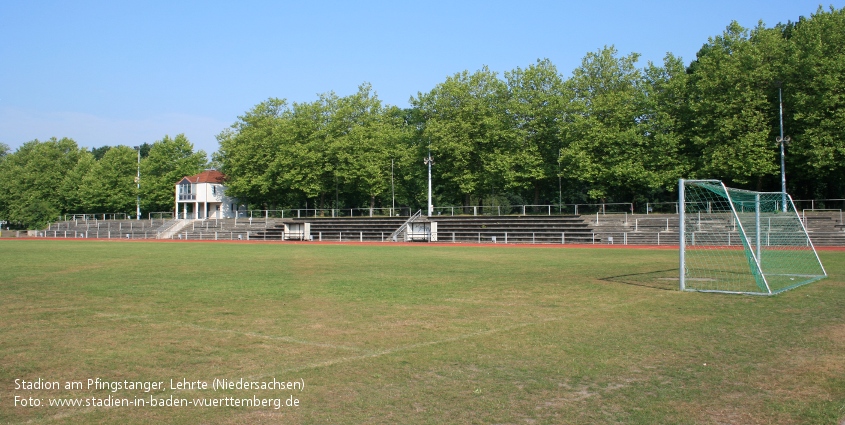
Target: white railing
804,213
820,203
98,216
598,214
162,215
661,207
544,209
637,222
327,212
475,210
634,238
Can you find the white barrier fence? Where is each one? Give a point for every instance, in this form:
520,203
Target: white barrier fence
556,238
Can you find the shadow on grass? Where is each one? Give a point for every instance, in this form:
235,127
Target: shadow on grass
666,280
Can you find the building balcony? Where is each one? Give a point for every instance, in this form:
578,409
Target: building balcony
187,197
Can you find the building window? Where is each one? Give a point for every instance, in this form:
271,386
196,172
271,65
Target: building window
185,194
214,190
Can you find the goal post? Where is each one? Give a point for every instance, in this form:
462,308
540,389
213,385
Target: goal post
743,242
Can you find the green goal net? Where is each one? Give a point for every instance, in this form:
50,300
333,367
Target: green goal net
740,241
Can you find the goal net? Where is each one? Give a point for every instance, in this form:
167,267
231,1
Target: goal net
740,241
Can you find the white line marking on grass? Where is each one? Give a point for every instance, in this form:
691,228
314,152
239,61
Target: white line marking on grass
122,316
410,347
271,337
234,332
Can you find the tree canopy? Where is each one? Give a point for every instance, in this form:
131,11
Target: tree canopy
43,180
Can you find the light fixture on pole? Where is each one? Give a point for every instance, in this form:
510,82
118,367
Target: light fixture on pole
138,187
782,141
428,161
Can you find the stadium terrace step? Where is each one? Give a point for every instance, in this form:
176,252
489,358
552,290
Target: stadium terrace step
824,228
225,229
823,221
501,229
113,229
514,229
369,229
153,229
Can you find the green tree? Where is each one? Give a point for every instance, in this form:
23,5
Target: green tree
731,90
534,111
247,150
32,176
665,113
101,151
409,175
608,148
168,161
304,164
71,188
365,137
815,90
109,186
463,123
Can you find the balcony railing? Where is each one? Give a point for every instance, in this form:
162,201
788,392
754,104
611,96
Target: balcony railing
187,197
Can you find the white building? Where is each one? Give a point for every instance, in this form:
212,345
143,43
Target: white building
203,196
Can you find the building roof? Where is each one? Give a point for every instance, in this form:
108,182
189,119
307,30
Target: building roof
207,176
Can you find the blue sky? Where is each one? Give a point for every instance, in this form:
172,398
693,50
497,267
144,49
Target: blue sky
119,72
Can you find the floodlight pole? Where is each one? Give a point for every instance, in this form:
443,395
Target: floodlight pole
782,141
138,183
392,190
428,161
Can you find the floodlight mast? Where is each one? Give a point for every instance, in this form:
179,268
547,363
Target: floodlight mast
782,140
138,183
392,190
428,161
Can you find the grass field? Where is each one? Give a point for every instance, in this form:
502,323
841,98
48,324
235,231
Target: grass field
385,334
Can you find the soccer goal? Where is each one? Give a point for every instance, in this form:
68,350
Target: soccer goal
742,242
